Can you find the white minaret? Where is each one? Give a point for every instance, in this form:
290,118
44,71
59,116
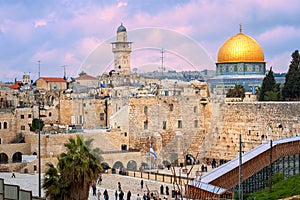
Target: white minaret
121,49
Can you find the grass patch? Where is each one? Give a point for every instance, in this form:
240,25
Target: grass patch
282,189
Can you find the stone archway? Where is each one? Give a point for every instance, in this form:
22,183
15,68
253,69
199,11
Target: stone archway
17,157
3,158
118,165
131,165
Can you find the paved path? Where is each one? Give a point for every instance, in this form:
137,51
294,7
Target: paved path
109,182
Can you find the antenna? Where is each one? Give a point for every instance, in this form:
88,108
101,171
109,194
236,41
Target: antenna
39,64
162,61
65,74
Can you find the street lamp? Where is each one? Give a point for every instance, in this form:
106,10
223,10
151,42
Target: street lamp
39,147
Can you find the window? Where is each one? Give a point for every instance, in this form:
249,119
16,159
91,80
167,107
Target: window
195,109
22,116
196,124
50,114
146,110
73,120
164,125
145,125
80,119
101,116
29,115
22,128
179,123
0,125
5,125
171,107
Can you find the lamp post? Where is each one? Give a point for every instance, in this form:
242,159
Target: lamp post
39,150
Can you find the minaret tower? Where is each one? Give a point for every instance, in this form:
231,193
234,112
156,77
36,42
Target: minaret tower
121,49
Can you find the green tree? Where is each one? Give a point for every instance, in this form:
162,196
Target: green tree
237,92
269,90
35,125
291,88
75,172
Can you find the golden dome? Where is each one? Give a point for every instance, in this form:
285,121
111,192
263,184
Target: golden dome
240,48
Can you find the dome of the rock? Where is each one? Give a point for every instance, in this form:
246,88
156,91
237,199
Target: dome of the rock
240,48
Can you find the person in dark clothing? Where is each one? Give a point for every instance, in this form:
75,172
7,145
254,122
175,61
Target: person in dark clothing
94,189
119,186
167,190
121,195
116,195
105,194
144,196
142,184
161,189
128,195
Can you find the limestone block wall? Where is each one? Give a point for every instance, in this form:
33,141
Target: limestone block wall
164,119
257,122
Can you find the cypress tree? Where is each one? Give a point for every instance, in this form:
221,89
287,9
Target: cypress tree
291,88
269,88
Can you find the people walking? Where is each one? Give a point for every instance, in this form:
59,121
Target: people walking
94,189
128,195
116,195
167,190
142,184
119,186
13,175
121,195
138,197
161,189
105,195
99,194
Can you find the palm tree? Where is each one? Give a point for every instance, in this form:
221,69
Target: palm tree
76,170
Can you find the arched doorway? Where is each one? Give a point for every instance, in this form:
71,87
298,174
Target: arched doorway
189,159
105,166
118,165
17,157
3,158
131,165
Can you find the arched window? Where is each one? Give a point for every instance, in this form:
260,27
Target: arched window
3,158
5,125
17,157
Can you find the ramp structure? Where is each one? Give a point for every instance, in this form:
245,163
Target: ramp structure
258,166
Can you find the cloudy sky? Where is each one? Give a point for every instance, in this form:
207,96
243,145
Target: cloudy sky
67,32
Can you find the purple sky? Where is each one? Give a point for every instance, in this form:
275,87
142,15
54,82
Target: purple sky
65,32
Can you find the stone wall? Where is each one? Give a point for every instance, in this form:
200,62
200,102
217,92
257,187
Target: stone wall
257,122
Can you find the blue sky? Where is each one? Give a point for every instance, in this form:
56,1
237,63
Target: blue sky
65,32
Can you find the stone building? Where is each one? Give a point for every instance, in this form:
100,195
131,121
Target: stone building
51,83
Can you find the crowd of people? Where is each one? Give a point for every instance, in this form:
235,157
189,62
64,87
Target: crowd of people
119,194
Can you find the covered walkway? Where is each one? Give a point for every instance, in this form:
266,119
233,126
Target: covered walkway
257,165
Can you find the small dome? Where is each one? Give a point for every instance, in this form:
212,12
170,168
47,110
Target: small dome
121,28
240,48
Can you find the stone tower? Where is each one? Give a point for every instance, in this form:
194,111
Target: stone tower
121,49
